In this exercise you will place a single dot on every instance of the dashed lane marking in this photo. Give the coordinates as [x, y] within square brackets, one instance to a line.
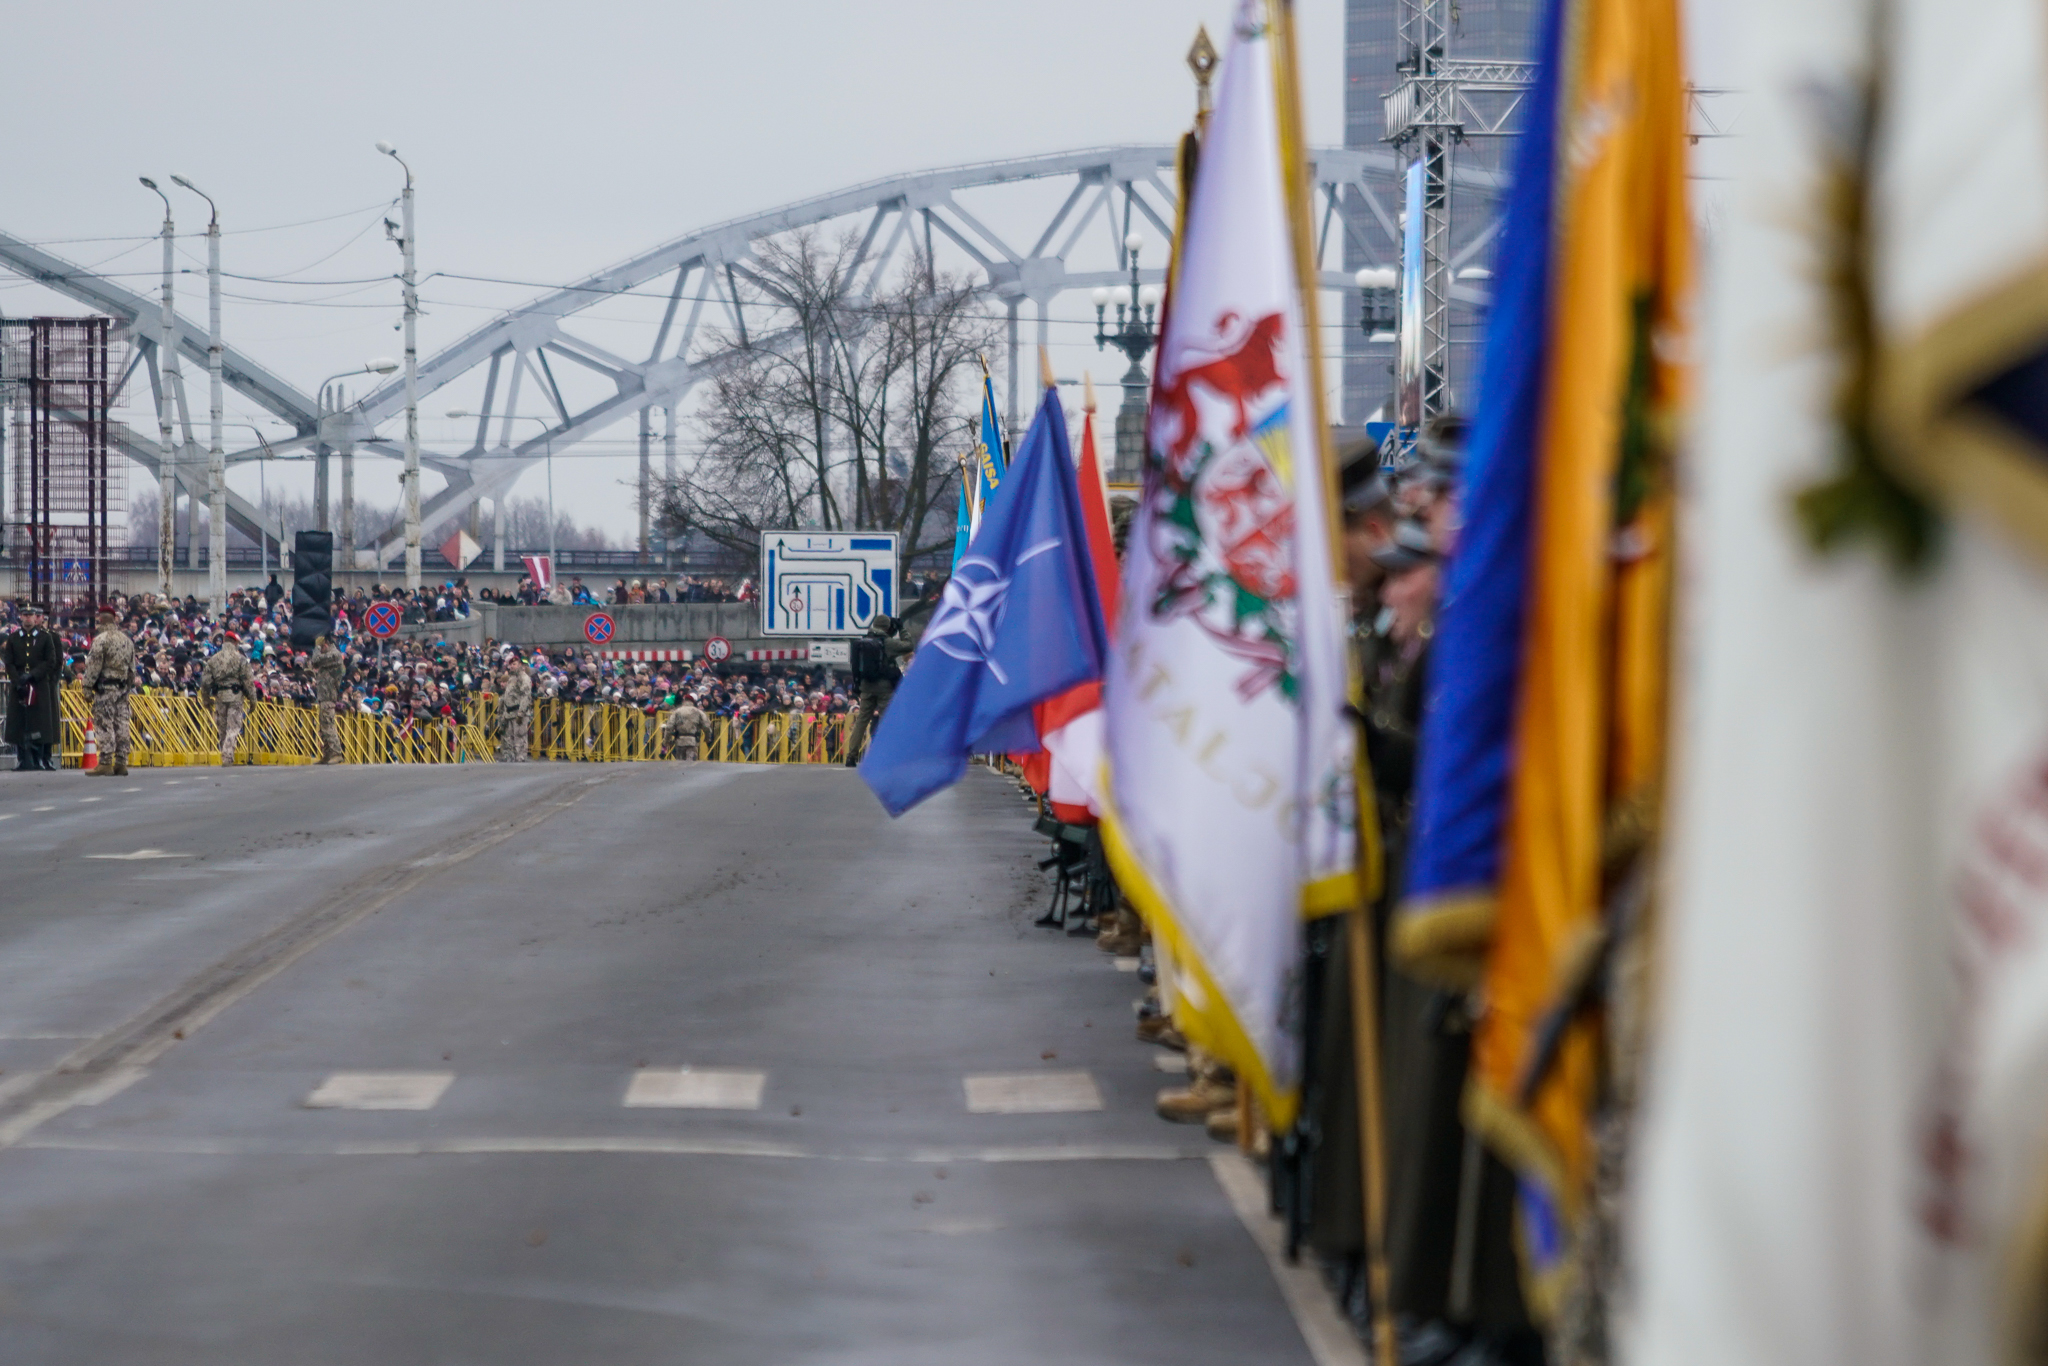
[139, 854]
[42, 808]
[689, 1088]
[110, 1085]
[33, 1098]
[380, 1091]
[1032, 1093]
[83, 800]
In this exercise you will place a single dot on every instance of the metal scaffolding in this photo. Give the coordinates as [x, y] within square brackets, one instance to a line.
[58, 379]
[1440, 103]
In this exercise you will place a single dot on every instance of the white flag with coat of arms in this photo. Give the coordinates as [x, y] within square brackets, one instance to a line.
[1232, 807]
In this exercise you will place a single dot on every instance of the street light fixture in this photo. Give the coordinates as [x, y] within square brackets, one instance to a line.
[549, 431]
[1378, 305]
[216, 456]
[1135, 338]
[167, 365]
[412, 373]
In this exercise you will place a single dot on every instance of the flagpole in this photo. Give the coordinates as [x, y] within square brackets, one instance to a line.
[1364, 956]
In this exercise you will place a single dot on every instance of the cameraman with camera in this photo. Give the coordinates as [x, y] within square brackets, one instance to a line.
[876, 670]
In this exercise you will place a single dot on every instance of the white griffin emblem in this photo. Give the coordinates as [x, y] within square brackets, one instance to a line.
[971, 608]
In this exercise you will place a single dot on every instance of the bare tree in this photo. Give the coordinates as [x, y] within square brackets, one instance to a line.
[936, 333]
[843, 417]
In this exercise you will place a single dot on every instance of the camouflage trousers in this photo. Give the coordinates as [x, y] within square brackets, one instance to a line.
[686, 746]
[873, 702]
[229, 710]
[517, 740]
[110, 714]
[330, 734]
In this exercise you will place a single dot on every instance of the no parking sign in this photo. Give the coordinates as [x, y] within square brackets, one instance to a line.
[381, 620]
[599, 628]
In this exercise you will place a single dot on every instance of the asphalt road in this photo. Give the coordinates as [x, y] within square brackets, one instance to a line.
[188, 956]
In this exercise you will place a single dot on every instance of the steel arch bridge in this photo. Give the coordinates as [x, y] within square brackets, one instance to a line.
[696, 310]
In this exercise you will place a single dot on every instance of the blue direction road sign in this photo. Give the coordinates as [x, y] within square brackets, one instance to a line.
[826, 583]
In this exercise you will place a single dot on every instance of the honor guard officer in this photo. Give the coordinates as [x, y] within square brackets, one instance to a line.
[684, 729]
[108, 675]
[35, 666]
[515, 710]
[228, 680]
[329, 673]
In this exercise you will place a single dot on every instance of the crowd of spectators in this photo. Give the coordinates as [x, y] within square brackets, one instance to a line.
[416, 678]
[626, 591]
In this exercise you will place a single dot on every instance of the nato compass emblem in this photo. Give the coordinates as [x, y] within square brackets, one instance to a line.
[971, 608]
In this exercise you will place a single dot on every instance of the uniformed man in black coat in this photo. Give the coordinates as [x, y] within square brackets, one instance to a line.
[35, 662]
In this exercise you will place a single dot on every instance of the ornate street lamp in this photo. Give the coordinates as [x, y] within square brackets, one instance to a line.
[1134, 336]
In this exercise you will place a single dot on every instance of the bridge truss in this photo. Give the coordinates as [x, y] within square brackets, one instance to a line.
[635, 338]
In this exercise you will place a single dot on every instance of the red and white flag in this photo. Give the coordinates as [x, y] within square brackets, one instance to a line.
[1068, 769]
[541, 569]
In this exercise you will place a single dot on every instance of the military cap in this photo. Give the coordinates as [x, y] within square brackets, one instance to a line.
[1407, 549]
[1441, 448]
[108, 614]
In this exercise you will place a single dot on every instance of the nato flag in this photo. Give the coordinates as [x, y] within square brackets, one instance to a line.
[1018, 622]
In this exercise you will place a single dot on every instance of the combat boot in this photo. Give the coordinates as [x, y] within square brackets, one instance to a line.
[1194, 1104]
[120, 770]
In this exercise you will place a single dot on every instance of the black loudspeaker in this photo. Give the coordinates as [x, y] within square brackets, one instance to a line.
[312, 588]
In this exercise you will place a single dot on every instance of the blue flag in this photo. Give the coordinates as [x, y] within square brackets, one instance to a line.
[986, 473]
[1018, 622]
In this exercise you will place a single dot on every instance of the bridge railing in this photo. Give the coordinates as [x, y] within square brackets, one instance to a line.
[168, 730]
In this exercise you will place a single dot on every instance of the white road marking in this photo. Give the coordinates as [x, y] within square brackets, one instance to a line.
[172, 782]
[83, 800]
[139, 854]
[128, 789]
[42, 808]
[109, 1086]
[689, 1088]
[1124, 964]
[1176, 1063]
[380, 1091]
[1032, 1093]
[9, 816]
[1329, 1338]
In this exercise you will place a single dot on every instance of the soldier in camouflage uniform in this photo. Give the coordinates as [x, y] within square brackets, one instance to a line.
[329, 671]
[515, 712]
[684, 729]
[228, 680]
[875, 693]
[108, 674]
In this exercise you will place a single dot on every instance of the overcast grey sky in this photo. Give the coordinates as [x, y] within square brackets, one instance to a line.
[548, 139]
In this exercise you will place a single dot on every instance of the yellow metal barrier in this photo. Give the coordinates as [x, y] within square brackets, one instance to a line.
[612, 734]
[173, 731]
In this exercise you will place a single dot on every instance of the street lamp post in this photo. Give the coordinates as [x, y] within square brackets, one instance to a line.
[345, 443]
[166, 363]
[412, 374]
[216, 457]
[1135, 338]
[550, 432]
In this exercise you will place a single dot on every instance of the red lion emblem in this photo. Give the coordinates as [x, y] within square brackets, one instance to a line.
[1243, 369]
